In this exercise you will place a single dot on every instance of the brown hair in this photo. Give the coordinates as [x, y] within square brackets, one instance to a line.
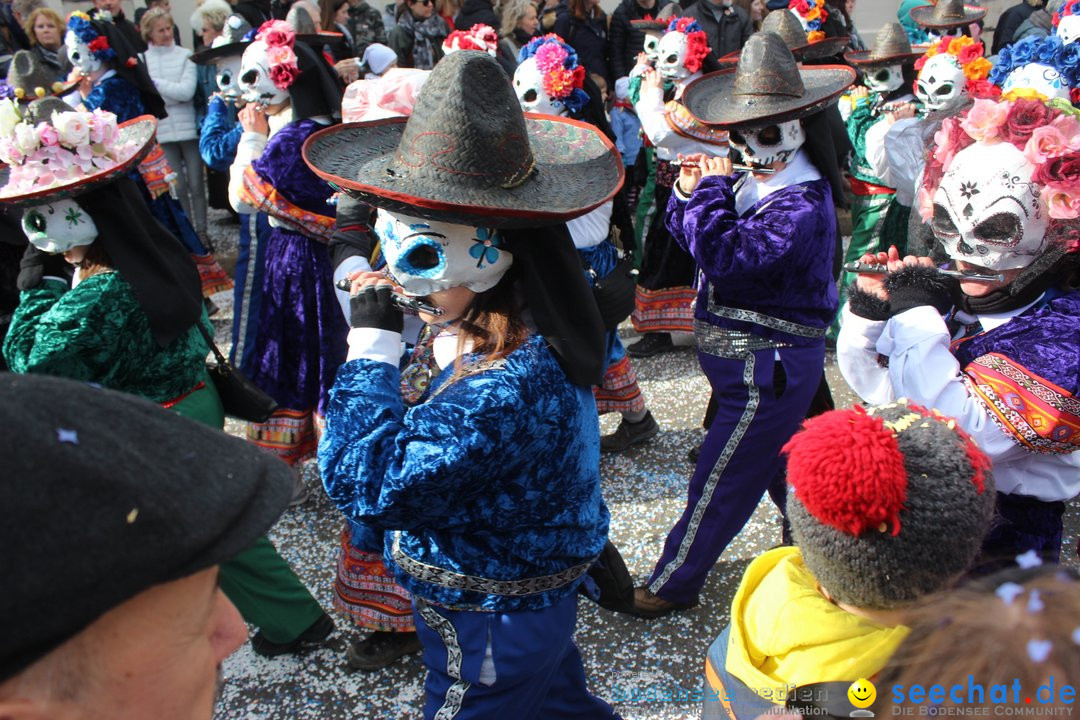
[580, 10]
[151, 16]
[49, 13]
[96, 260]
[328, 9]
[493, 320]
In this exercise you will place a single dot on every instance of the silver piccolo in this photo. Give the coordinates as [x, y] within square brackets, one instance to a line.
[739, 167]
[401, 301]
[857, 267]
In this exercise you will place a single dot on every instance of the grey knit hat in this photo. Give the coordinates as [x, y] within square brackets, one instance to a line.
[887, 504]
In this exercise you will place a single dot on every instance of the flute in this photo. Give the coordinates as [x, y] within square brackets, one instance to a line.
[734, 166]
[403, 302]
[857, 267]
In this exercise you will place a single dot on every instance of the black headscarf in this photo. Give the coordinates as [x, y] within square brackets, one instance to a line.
[559, 298]
[317, 90]
[155, 264]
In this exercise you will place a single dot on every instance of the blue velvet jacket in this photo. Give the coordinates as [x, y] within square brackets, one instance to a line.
[768, 272]
[220, 135]
[494, 476]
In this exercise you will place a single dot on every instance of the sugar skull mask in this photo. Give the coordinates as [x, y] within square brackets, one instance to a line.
[884, 80]
[1043, 79]
[671, 56]
[529, 86]
[987, 211]
[651, 47]
[255, 81]
[58, 226]
[1069, 29]
[426, 256]
[80, 55]
[940, 80]
[227, 75]
[773, 143]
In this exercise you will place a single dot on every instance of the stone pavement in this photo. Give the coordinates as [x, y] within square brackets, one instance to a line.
[645, 489]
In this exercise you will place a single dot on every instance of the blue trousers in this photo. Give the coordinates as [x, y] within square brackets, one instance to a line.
[761, 402]
[518, 665]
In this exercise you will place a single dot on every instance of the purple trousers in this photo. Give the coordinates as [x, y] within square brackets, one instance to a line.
[761, 401]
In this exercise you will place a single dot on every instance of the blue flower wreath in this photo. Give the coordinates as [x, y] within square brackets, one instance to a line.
[576, 101]
[1050, 51]
[85, 30]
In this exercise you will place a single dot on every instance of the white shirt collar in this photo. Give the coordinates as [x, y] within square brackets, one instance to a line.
[750, 191]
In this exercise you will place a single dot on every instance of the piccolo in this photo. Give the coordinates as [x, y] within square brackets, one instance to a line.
[402, 301]
[857, 267]
[735, 166]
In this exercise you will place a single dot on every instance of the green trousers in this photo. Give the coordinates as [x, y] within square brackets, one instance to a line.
[867, 220]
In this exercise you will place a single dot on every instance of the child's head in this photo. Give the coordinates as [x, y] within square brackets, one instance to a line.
[888, 504]
[622, 89]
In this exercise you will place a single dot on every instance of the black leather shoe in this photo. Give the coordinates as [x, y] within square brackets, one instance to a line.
[314, 635]
[629, 433]
[651, 344]
[649, 606]
[380, 649]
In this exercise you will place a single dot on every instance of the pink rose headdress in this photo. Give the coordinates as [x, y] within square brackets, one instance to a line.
[279, 38]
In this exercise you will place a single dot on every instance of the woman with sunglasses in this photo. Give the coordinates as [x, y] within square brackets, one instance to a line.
[418, 35]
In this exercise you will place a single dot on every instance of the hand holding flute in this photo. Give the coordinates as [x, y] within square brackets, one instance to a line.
[402, 302]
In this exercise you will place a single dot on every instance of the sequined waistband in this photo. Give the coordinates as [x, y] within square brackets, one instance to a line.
[726, 343]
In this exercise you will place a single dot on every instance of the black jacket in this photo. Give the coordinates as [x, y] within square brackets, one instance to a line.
[624, 40]
[1008, 24]
[729, 34]
[476, 11]
[589, 39]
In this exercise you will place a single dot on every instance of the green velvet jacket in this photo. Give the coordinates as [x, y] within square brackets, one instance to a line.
[858, 123]
[98, 332]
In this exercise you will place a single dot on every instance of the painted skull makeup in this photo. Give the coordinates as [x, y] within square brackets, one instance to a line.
[1043, 79]
[80, 55]
[227, 75]
[651, 48]
[671, 55]
[884, 80]
[773, 143]
[255, 82]
[940, 80]
[529, 87]
[987, 212]
[426, 256]
[1069, 29]
[58, 226]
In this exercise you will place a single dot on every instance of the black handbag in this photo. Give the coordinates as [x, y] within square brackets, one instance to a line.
[240, 397]
[608, 582]
[615, 292]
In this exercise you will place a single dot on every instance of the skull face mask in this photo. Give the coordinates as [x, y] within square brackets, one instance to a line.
[651, 48]
[997, 221]
[940, 80]
[671, 56]
[770, 144]
[80, 55]
[58, 226]
[255, 82]
[227, 74]
[1069, 29]
[884, 80]
[426, 256]
[1043, 79]
[529, 87]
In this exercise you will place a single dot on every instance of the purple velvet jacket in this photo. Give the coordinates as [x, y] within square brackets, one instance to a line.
[768, 272]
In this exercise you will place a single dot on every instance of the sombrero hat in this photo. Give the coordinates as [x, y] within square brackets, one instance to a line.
[947, 14]
[891, 47]
[468, 155]
[30, 179]
[766, 87]
[787, 26]
[660, 22]
[235, 36]
[29, 80]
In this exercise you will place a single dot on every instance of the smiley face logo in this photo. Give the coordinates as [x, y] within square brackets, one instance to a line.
[862, 693]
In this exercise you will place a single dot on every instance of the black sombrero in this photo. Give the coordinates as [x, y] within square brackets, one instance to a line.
[30, 80]
[467, 154]
[235, 36]
[947, 14]
[661, 21]
[787, 26]
[134, 140]
[891, 47]
[766, 87]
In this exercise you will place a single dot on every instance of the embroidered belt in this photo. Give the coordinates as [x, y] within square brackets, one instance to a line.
[457, 581]
[726, 343]
[861, 187]
[787, 326]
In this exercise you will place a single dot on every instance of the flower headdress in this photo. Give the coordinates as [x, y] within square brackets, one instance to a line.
[1048, 135]
[1070, 8]
[479, 37]
[969, 56]
[80, 24]
[66, 148]
[558, 63]
[697, 43]
[279, 37]
[1049, 51]
[814, 15]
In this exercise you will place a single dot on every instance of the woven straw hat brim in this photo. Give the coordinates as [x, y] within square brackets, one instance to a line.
[972, 13]
[828, 47]
[136, 135]
[577, 170]
[209, 55]
[862, 58]
[650, 24]
[710, 98]
[66, 87]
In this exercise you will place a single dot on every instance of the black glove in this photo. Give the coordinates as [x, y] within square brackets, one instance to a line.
[914, 286]
[372, 308]
[867, 305]
[36, 264]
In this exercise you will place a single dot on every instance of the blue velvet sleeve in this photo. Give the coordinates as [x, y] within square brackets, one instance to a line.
[283, 167]
[115, 95]
[220, 136]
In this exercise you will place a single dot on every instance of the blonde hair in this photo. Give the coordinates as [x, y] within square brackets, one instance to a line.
[511, 11]
[150, 17]
[49, 13]
[211, 12]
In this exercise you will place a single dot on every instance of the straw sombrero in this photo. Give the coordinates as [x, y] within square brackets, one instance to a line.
[28, 183]
[467, 154]
[787, 26]
[766, 87]
[660, 22]
[891, 47]
[947, 14]
[29, 80]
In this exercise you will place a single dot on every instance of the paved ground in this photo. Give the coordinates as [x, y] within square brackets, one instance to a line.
[645, 490]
